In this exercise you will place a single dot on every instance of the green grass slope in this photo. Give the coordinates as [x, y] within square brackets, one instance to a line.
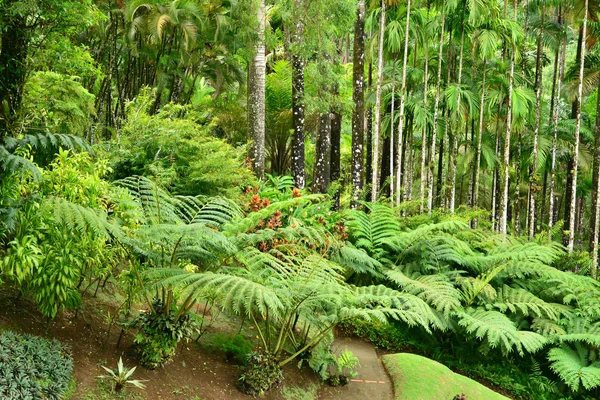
[419, 378]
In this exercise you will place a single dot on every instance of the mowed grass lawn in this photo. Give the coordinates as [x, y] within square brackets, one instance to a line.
[419, 378]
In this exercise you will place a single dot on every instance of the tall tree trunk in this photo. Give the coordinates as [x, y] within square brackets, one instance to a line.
[392, 144]
[479, 137]
[358, 97]
[577, 130]
[298, 108]
[424, 133]
[533, 176]
[436, 113]
[551, 201]
[594, 228]
[594, 220]
[457, 128]
[13, 60]
[568, 192]
[439, 194]
[334, 169]
[402, 101]
[256, 98]
[375, 178]
[369, 135]
[322, 156]
[503, 207]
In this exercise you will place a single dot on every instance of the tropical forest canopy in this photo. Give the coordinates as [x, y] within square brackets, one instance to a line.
[424, 174]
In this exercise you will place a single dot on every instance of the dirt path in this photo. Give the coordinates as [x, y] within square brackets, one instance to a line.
[371, 383]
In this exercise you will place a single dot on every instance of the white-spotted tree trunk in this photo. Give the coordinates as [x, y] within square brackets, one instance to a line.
[256, 98]
[358, 97]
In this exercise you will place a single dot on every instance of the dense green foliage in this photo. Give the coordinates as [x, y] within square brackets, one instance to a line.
[34, 368]
[124, 157]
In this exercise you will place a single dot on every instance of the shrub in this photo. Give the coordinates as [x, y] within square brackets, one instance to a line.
[33, 368]
[179, 154]
[160, 331]
[235, 347]
[263, 372]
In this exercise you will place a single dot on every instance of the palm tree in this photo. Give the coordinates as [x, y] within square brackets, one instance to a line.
[555, 119]
[358, 97]
[577, 130]
[457, 124]
[533, 177]
[256, 97]
[487, 41]
[424, 130]
[438, 87]
[503, 206]
[399, 192]
[380, 55]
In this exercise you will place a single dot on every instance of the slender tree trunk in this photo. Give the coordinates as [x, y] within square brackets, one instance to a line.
[439, 194]
[392, 144]
[298, 109]
[334, 169]
[577, 130]
[479, 137]
[457, 128]
[399, 150]
[533, 176]
[594, 228]
[569, 185]
[256, 98]
[322, 150]
[503, 208]
[358, 97]
[424, 133]
[552, 204]
[436, 113]
[595, 219]
[369, 135]
[375, 178]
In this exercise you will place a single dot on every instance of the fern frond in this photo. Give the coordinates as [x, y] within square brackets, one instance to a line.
[436, 290]
[356, 260]
[521, 300]
[214, 212]
[400, 306]
[573, 366]
[81, 219]
[499, 331]
[157, 205]
[11, 163]
[52, 141]
[241, 295]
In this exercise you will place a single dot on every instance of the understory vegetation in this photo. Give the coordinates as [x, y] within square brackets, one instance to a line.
[34, 368]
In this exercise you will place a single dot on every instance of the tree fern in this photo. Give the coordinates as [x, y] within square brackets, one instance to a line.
[574, 367]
